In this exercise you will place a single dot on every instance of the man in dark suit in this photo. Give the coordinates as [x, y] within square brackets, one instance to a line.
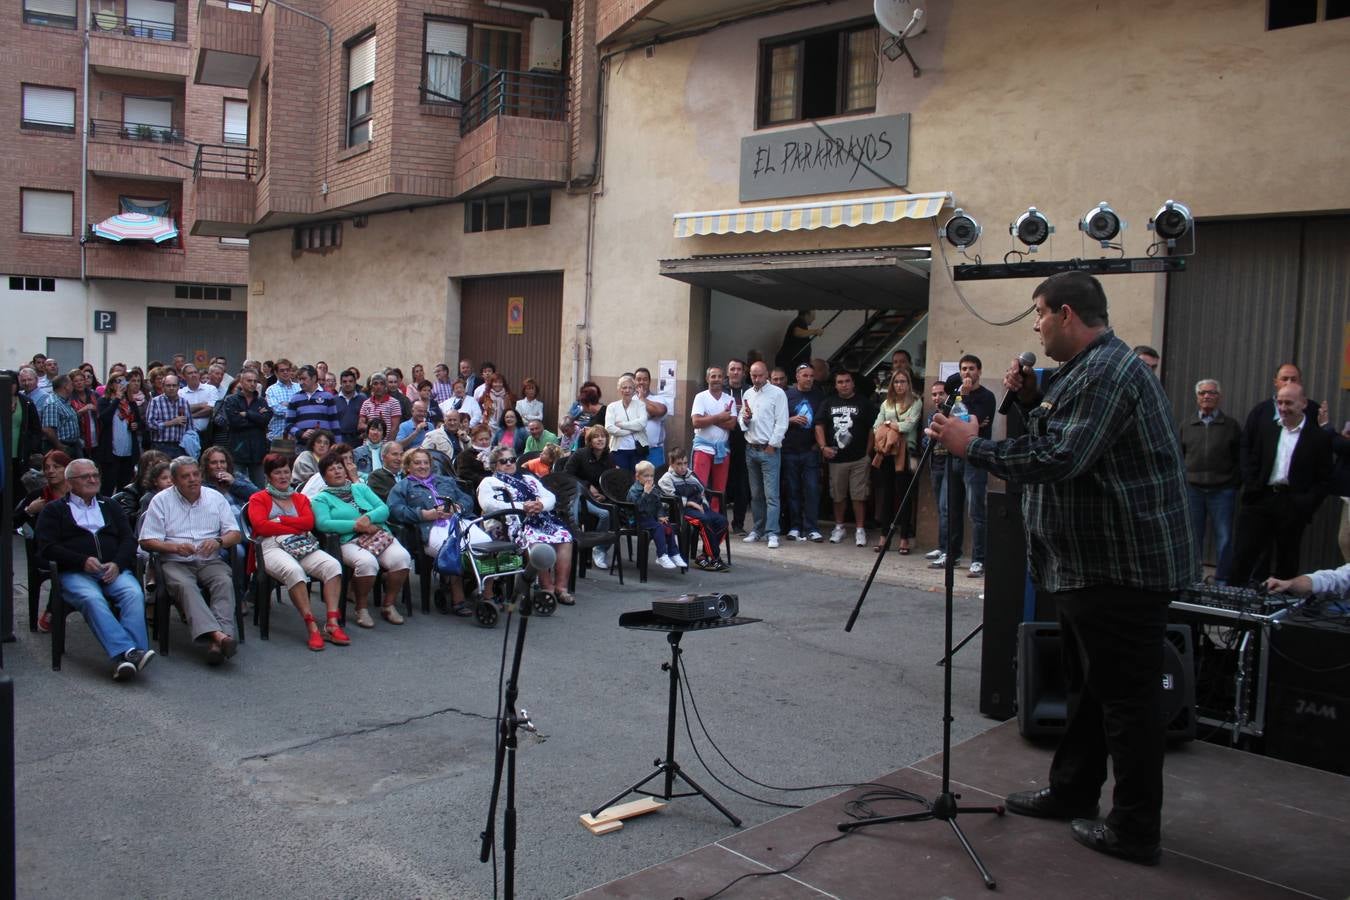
[1264, 412]
[1285, 475]
[90, 542]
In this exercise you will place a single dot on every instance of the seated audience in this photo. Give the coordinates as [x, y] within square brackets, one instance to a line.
[543, 464]
[188, 527]
[218, 472]
[426, 501]
[282, 520]
[586, 466]
[679, 481]
[536, 437]
[307, 462]
[512, 433]
[529, 406]
[368, 455]
[382, 480]
[412, 432]
[89, 542]
[358, 517]
[471, 465]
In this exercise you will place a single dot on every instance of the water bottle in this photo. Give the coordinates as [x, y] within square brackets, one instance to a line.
[959, 410]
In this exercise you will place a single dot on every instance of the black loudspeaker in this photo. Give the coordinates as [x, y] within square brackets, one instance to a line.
[1042, 702]
[1004, 587]
[1308, 696]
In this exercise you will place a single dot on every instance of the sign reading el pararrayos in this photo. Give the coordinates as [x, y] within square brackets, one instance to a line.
[856, 155]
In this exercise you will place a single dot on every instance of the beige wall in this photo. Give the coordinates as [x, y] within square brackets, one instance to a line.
[1196, 101]
[386, 296]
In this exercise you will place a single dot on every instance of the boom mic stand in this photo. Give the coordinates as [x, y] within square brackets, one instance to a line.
[944, 808]
[507, 727]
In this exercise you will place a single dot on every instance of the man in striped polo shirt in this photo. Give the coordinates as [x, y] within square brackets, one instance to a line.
[311, 408]
[380, 404]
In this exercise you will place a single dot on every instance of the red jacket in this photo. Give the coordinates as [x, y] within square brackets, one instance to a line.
[260, 509]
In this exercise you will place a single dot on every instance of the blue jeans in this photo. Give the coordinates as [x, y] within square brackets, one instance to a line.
[656, 456]
[762, 469]
[117, 633]
[802, 474]
[601, 514]
[1216, 504]
[977, 485]
[937, 471]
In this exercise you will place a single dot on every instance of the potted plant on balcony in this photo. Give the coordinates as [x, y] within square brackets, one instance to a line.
[145, 132]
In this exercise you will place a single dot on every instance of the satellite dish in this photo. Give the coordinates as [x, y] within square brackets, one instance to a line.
[902, 18]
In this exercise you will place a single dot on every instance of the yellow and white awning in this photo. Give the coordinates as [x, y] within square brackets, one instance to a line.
[805, 216]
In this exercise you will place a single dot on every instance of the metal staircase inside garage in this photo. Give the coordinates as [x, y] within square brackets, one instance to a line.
[869, 349]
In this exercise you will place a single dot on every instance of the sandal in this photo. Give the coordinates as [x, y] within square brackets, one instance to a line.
[463, 608]
[363, 618]
[333, 631]
[315, 638]
[565, 598]
[391, 614]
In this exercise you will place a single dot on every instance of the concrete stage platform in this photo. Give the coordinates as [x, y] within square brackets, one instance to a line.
[1235, 825]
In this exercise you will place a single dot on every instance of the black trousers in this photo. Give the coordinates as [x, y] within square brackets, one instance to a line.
[1271, 517]
[1112, 644]
[738, 482]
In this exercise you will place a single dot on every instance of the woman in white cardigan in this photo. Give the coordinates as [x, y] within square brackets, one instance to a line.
[626, 422]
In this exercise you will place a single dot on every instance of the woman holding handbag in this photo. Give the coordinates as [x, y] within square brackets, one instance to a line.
[896, 436]
[357, 516]
[283, 520]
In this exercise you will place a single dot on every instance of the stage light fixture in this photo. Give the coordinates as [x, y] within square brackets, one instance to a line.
[1032, 228]
[1172, 221]
[1101, 223]
[961, 230]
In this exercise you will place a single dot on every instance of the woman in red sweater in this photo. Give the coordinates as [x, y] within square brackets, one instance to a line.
[282, 521]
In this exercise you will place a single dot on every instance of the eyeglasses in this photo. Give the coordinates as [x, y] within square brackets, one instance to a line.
[87, 476]
[506, 459]
[1207, 393]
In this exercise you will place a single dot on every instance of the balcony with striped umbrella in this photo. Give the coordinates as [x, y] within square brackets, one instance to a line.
[134, 226]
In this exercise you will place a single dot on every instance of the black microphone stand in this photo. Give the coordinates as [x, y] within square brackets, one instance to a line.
[945, 807]
[507, 726]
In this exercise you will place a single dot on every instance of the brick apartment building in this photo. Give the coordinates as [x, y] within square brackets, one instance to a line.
[106, 119]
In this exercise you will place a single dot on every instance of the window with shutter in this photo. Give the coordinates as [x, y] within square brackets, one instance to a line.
[152, 19]
[60, 13]
[235, 127]
[147, 118]
[447, 44]
[360, 91]
[48, 108]
[47, 212]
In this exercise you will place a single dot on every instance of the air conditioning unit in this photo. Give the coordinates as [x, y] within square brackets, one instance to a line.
[546, 49]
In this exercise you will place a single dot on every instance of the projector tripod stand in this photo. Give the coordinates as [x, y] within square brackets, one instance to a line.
[668, 768]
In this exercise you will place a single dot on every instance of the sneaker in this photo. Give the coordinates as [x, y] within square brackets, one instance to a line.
[750, 538]
[599, 558]
[939, 561]
[720, 565]
[860, 537]
[836, 534]
[679, 561]
[664, 562]
[704, 563]
[933, 554]
[45, 622]
[976, 570]
[815, 537]
[139, 658]
[794, 535]
[124, 670]
[773, 542]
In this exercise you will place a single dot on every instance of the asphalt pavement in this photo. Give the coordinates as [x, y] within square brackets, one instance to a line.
[365, 771]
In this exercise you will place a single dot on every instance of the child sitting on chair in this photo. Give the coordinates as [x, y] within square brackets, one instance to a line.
[651, 515]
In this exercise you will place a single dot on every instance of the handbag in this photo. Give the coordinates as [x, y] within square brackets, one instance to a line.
[299, 545]
[886, 440]
[375, 542]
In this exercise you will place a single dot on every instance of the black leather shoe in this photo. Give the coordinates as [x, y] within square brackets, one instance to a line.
[1099, 836]
[1044, 805]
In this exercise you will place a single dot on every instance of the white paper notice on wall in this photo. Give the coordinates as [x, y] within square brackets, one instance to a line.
[947, 370]
[665, 378]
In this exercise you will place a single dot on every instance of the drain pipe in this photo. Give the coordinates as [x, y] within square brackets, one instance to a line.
[84, 166]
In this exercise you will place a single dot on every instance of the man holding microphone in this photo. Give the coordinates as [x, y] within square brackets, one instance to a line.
[1109, 539]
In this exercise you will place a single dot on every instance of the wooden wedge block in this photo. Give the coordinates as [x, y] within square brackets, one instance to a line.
[621, 812]
[604, 827]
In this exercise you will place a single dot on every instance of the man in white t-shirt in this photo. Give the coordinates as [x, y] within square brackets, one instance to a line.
[200, 395]
[658, 408]
[713, 413]
[462, 403]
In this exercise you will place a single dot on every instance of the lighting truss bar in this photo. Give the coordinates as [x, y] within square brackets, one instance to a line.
[1045, 268]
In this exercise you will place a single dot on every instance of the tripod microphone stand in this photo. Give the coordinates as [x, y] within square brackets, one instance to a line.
[945, 807]
[541, 556]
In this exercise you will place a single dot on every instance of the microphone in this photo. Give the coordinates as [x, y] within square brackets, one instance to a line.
[1027, 360]
[538, 558]
[953, 388]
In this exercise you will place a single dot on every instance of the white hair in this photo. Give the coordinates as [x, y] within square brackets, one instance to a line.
[1204, 381]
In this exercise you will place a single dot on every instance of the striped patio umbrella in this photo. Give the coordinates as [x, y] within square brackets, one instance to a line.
[130, 226]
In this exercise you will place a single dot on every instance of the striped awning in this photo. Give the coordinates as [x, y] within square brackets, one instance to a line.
[805, 216]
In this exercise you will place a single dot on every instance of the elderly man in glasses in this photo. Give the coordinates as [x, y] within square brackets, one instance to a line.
[1210, 442]
[93, 548]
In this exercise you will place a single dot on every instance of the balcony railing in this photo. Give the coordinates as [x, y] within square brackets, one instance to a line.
[112, 23]
[522, 94]
[113, 130]
[225, 161]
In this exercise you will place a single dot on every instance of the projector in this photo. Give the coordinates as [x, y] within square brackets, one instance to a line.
[697, 607]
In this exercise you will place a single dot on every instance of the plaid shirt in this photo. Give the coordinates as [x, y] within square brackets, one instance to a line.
[1105, 489]
[442, 391]
[278, 397]
[161, 410]
[59, 415]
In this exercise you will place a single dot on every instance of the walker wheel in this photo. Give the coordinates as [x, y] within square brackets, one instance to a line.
[545, 604]
[486, 613]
